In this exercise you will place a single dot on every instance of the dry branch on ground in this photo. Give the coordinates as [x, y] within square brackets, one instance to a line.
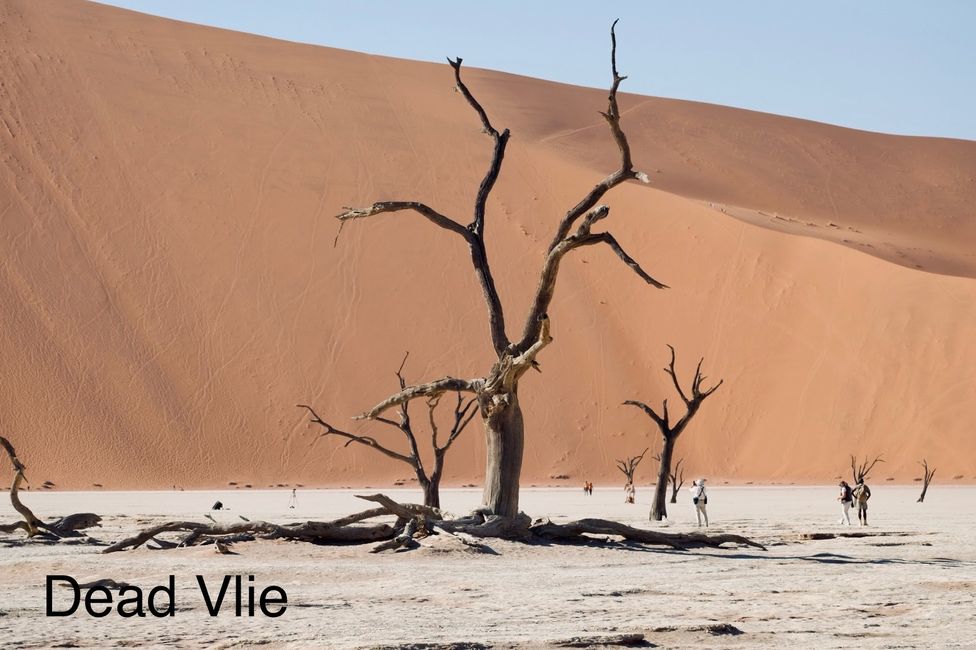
[416, 522]
[64, 527]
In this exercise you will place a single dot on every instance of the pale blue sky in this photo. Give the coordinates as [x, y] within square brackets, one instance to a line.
[897, 66]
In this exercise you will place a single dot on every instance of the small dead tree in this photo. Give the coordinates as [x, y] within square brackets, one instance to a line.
[929, 473]
[497, 390]
[670, 431]
[677, 480]
[629, 466]
[430, 482]
[861, 471]
[64, 527]
[676, 477]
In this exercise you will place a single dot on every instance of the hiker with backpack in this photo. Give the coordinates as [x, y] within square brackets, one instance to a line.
[846, 499]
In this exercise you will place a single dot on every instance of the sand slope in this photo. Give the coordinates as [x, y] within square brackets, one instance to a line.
[169, 287]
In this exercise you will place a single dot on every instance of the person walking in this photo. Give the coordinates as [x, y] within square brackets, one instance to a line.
[700, 499]
[293, 501]
[846, 498]
[861, 495]
[630, 493]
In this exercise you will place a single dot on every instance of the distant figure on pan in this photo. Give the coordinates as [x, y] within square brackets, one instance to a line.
[861, 495]
[629, 493]
[846, 498]
[700, 498]
[294, 499]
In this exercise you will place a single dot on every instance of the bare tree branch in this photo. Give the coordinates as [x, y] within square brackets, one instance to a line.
[474, 233]
[550, 270]
[626, 171]
[661, 420]
[476, 240]
[500, 139]
[363, 440]
[404, 423]
[611, 241]
[429, 389]
[395, 206]
[562, 241]
[463, 413]
[674, 376]
[863, 470]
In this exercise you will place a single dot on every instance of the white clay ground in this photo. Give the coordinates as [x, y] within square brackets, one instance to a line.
[912, 586]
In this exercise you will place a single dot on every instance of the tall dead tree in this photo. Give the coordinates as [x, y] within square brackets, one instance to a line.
[926, 480]
[497, 391]
[629, 465]
[861, 471]
[677, 480]
[670, 431]
[430, 482]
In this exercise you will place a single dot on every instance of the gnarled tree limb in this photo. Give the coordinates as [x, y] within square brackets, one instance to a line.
[626, 170]
[363, 440]
[861, 471]
[426, 211]
[430, 389]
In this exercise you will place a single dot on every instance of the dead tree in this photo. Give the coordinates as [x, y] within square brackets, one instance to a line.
[629, 466]
[677, 480]
[464, 411]
[929, 473]
[670, 431]
[497, 391]
[64, 527]
[676, 476]
[861, 471]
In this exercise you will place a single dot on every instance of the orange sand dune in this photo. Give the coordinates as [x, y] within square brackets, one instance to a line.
[169, 289]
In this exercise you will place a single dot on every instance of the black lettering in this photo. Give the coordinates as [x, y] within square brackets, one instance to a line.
[98, 596]
[50, 595]
[170, 609]
[213, 609]
[267, 599]
[136, 600]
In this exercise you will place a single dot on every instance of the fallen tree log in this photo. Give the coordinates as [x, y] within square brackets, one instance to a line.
[682, 541]
[64, 527]
[310, 531]
[415, 522]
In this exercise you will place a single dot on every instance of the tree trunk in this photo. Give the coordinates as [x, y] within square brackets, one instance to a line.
[432, 486]
[659, 508]
[504, 438]
[674, 492]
